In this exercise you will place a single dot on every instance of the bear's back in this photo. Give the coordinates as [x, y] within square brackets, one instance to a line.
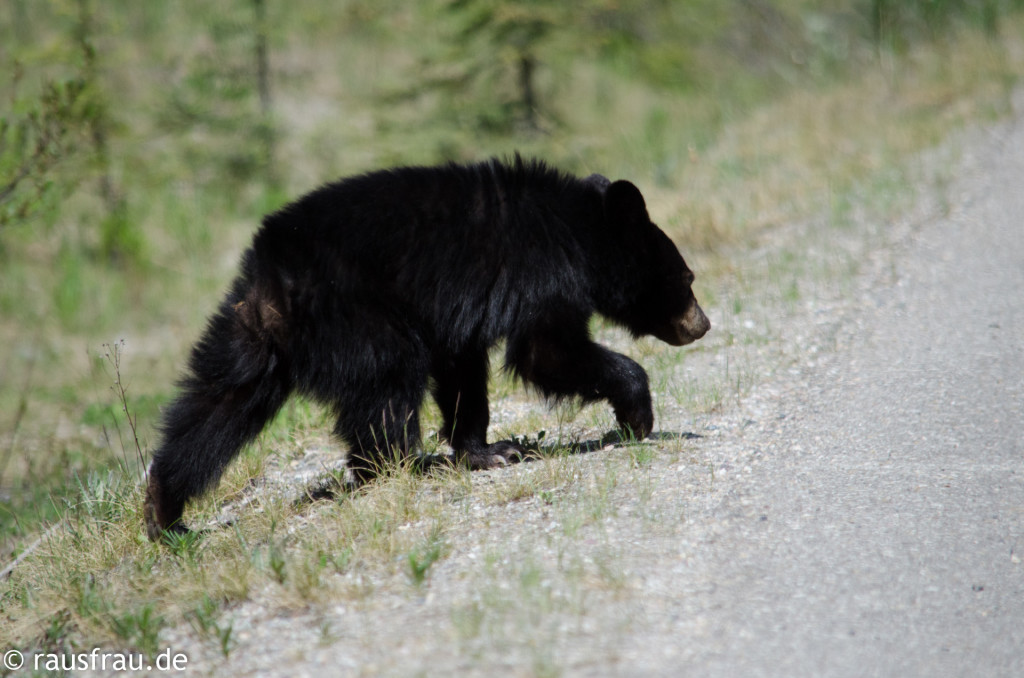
[472, 247]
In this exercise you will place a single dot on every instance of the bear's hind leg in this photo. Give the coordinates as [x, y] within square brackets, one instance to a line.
[236, 383]
[379, 430]
[377, 391]
[460, 389]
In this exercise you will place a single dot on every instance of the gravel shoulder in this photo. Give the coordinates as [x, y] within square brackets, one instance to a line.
[858, 513]
[876, 528]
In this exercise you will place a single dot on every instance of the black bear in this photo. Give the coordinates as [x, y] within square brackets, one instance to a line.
[367, 291]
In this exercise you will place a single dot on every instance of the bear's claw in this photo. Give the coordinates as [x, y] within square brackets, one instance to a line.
[495, 455]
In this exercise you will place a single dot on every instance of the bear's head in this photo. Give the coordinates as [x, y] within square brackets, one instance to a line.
[651, 285]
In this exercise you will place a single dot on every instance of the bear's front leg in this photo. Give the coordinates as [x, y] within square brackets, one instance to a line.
[563, 362]
[460, 389]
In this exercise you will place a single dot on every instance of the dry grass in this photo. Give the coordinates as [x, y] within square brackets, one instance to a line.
[805, 153]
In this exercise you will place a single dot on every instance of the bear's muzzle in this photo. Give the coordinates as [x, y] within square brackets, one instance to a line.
[690, 327]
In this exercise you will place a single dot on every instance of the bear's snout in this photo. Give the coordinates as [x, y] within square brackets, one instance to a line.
[692, 326]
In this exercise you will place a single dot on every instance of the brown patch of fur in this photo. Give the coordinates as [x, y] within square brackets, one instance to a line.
[259, 315]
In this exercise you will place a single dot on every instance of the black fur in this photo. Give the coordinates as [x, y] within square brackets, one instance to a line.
[366, 291]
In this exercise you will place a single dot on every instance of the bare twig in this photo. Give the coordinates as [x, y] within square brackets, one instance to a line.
[6, 572]
[113, 356]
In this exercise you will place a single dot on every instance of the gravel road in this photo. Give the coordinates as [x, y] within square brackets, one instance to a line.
[881, 532]
[861, 513]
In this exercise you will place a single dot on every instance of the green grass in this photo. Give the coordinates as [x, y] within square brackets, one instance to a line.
[724, 161]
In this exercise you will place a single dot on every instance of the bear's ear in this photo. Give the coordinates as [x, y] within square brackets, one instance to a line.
[624, 204]
[598, 181]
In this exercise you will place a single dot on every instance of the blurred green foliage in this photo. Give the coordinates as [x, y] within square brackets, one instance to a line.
[35, 137]
[897, 23]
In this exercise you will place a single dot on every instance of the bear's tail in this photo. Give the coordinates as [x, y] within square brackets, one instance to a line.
[238, 379]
